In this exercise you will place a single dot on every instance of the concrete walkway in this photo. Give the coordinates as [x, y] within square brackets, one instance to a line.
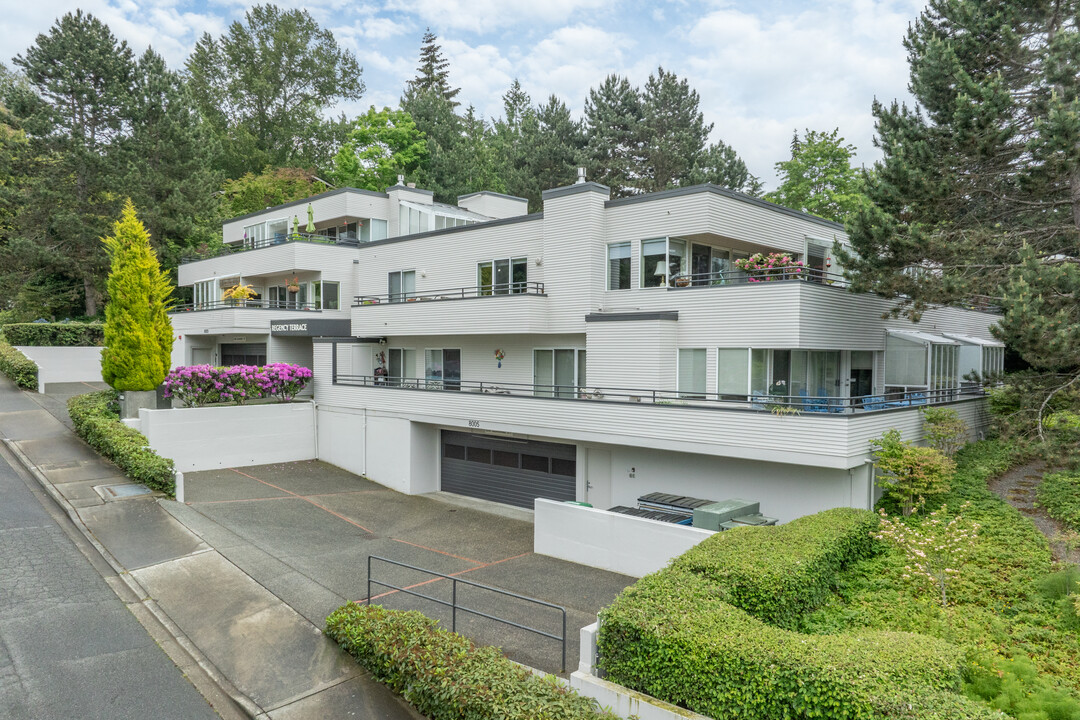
[245, 649]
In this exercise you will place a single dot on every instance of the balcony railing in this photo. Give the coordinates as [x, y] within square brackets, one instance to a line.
[514, 288]
[244, 305]
[745, 277]
[776, 404]
[248, 244]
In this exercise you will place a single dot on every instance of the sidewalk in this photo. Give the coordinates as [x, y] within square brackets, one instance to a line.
[228, 632]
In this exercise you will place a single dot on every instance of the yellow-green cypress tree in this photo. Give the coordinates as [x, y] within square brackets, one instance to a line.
[138, 335]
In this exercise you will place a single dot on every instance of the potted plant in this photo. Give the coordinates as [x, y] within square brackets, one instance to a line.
[760, 267]
[293, 285]
[238, 294]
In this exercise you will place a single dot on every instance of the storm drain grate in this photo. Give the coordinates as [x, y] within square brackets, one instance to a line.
[122, 490]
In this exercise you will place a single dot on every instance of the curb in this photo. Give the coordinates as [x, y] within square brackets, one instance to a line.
[241, 704]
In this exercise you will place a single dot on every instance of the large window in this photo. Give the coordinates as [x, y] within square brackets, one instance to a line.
[414, 220]
[692, 372]
[732, 372]
[661, 260]
[442, 369]
[373, 230]
[558, 372]
[503, 277]
[618, 255]
[205, 294]
[993, 361]
[921, 361]
[401, 285]
[325, 295]
[254, 235]
[402, 362]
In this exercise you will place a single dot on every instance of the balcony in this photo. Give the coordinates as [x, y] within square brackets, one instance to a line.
[829, 432]
[479, 310]
[283, 254]
[242, 304]
[234, 315]
[234, 248]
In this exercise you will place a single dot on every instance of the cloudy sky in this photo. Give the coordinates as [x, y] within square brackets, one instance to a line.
[763, 67]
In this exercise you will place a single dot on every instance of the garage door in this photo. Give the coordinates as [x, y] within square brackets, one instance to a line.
[514, 472]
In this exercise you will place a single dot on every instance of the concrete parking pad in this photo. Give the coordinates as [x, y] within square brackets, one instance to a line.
[138, 532]
[350, 699]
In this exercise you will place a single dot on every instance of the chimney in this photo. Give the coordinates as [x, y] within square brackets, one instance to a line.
[400, 179]
[580, 176]
[412, 185]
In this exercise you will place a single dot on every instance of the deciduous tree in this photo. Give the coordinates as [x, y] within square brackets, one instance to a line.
[381, 145]
[818, 178]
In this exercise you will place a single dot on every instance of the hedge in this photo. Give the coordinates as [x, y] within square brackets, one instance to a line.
[1059, 493]
[21, 369]
[55, 334]
[443, 674]
[101, 428]
[778, 574]
[672, 636]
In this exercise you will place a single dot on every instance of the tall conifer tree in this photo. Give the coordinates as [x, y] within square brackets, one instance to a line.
[434, 70]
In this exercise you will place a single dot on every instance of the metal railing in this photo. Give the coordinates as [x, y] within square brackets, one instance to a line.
[757, 400]
[745, 277]
[455, 606]
[513, 288]
[349, 240]
[244, 305]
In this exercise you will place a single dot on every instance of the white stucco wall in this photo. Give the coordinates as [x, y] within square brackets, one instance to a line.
[64, 364]
[609, 541]
[231, 436]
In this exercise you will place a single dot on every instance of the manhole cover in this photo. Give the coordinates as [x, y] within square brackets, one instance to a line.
[122, 490]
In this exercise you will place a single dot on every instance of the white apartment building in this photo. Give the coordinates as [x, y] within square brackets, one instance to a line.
[596, 351]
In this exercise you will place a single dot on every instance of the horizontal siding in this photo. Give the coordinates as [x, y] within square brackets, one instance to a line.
[327, 208]
[469, 316]
[276, 259]
[639, 354]
[574, 257]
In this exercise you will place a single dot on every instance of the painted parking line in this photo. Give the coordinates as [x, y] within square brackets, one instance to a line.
[279, 497]
[441, 552]
[432, 580]
[321, 507]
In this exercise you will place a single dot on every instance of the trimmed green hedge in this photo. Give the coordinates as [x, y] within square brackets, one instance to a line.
[778, 574]
[1059, 493]
[21, 369]
[72, 334]
[672, 636]
[443, 674]
[101, 428]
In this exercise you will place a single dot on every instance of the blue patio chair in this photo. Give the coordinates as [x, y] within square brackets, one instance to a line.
[917, 398]
[758, 400]
[873, 402]
[812, 404]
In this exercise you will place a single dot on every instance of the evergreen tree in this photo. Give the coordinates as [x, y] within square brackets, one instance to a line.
[721, 165]
[515, 137]
[978, 192]
[264, 85]
[675, 132]
[819, 178]
[442, 129]
[382, 144]
[559, 142]
[474, 159]
[615, 153]
[169, 159]
[434, 71]
[138, 334]
[80, 81]
[276, 186]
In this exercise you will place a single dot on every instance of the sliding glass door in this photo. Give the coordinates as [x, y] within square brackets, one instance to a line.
[558, 372]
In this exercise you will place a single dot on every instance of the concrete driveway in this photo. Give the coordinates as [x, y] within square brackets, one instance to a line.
[305, 531]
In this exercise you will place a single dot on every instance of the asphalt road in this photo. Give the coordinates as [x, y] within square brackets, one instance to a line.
[69, 646]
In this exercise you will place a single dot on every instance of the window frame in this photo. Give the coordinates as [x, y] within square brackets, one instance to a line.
[401, 295]
[629, 245]
[512, 287]
[686, 393]
[578, 386]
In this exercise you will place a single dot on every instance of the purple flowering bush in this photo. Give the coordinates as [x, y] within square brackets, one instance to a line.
[196, 385]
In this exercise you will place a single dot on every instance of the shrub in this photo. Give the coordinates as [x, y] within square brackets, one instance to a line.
[672, 636]
[1015, 687]
[100, 426]
[73, 334]
[443, 674]
[196, 385]
[1059, 493]
[777, 574]
[21, 369]
[944, 430]
[911, 472]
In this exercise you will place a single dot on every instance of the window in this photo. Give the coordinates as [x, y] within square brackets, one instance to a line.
[536, 463]
[558, 372]
[454, 452]
[993, 361]
[324, 295]
[561, 466]
[618, 255]
[505, 459]
[372, 230]
[254, 235]
[442, 369]
[479, 455]
[205, 294]
[692, 373]
[661, 260]
[732, 372]
[243, 354]
[402, 365]
[401, 285]
[413, 220]
[502, 277]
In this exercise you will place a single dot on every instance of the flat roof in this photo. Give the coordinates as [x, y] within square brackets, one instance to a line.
[294, 203]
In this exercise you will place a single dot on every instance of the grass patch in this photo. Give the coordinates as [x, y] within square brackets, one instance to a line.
[98, 423]
[1059, 493]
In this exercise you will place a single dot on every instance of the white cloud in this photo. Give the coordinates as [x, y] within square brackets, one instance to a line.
[571, 60]
[485, 15]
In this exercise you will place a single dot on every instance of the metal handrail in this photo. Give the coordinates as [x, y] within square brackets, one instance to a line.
[245, 305]
[490, 290]
[282, 239]
[745, 277]
[454, 606]
[776, 403]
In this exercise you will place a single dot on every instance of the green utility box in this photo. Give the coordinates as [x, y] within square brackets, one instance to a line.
[709, 517]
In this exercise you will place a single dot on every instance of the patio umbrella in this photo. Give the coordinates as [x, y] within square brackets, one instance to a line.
[310, 218]
[295, 225]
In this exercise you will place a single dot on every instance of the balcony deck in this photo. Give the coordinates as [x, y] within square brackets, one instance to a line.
[288, 254]
[772, 429]
[246, 315]
[517, 308]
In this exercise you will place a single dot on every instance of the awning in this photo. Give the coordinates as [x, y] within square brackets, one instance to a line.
[970, 340]
[922, 337]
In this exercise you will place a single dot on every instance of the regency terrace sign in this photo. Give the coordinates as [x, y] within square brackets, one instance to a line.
[311, 327]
